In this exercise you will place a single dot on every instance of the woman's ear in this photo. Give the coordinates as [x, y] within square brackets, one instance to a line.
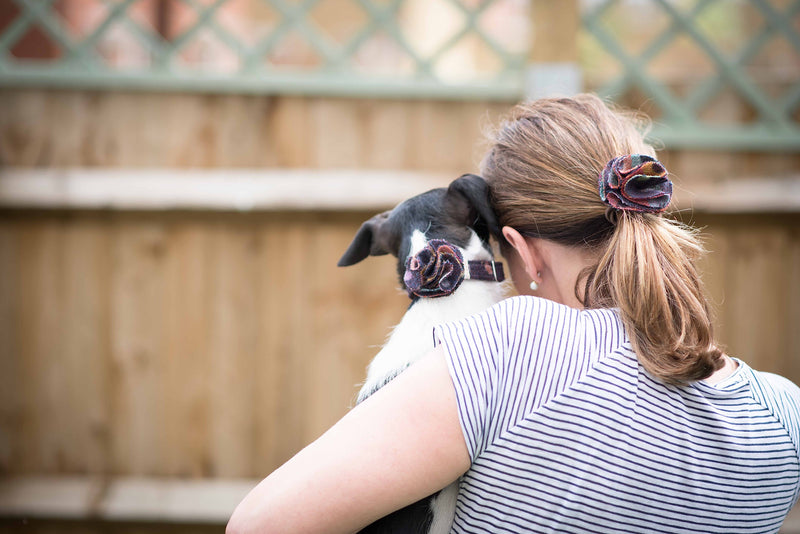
[528, 252]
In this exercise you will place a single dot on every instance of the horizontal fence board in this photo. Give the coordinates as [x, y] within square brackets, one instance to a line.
[65, 129]
[223, 190]
[311, 189]
[154, 505]
[122, 498]
[508, 90]
[763, 194]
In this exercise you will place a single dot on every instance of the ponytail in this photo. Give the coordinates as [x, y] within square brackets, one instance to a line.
[648, 272]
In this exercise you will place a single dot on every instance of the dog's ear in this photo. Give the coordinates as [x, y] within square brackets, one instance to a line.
[479, 214]
[372, 239]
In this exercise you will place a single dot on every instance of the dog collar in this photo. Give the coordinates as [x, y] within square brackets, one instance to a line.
[486, 270]
[439, 268]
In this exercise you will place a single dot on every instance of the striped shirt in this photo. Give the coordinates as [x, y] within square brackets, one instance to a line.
[567, 432]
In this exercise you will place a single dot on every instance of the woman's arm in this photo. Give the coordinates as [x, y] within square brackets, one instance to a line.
[400, 445]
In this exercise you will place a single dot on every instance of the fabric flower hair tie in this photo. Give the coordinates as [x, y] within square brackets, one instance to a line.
[435, 271]
[636, 182]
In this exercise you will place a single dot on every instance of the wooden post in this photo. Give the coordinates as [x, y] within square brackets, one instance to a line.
[553, 58]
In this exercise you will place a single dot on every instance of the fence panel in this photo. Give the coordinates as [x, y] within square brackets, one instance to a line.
[199, 346]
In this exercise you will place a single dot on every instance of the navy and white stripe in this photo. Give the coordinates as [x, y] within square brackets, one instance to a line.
[567, 433]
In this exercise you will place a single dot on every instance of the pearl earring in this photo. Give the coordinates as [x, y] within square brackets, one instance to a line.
[534, 285]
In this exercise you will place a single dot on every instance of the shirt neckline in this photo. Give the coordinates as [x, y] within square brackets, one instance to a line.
[736, 380]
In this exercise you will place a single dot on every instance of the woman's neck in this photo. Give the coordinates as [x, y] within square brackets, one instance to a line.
[563, 266]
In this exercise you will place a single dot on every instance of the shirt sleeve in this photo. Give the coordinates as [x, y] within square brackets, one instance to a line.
[508, 361]
[782, 397]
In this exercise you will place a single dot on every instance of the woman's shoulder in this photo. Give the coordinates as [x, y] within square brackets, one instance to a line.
[773, 387]
[530, 312]
[779, 395]
[525, 327]
[532, 307]
[543, 305]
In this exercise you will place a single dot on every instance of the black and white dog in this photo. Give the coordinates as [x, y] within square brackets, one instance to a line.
[440, 238]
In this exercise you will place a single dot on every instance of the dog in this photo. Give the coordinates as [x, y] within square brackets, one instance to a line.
[440, 238]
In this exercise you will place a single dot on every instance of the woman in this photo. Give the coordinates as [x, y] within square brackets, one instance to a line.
[597, 401]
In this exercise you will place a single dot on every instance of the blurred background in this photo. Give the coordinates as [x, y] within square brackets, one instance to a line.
[179, 178]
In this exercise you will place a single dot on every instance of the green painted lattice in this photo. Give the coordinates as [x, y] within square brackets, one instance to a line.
[469, 49]
[772, 119]
[333, 73]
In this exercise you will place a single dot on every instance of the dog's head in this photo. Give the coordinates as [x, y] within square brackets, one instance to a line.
[454, 213]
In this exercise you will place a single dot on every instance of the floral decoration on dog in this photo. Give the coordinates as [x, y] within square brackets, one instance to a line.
[435, 271]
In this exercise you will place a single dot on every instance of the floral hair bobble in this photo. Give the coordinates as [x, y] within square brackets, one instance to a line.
[435, 271]
[636, 182]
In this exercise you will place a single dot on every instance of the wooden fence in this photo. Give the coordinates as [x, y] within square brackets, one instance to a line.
[181, 345]
[154, 346]
[215, 344]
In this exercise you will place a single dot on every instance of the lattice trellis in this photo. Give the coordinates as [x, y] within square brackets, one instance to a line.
[257, 66]
[424, 48]
[772, 119]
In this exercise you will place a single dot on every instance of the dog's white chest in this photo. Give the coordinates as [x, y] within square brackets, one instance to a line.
[412, 338]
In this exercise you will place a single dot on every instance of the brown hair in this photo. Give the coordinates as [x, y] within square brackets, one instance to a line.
[543, 168]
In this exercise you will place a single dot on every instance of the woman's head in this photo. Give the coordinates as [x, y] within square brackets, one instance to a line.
[544, 163]
[543, 167]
